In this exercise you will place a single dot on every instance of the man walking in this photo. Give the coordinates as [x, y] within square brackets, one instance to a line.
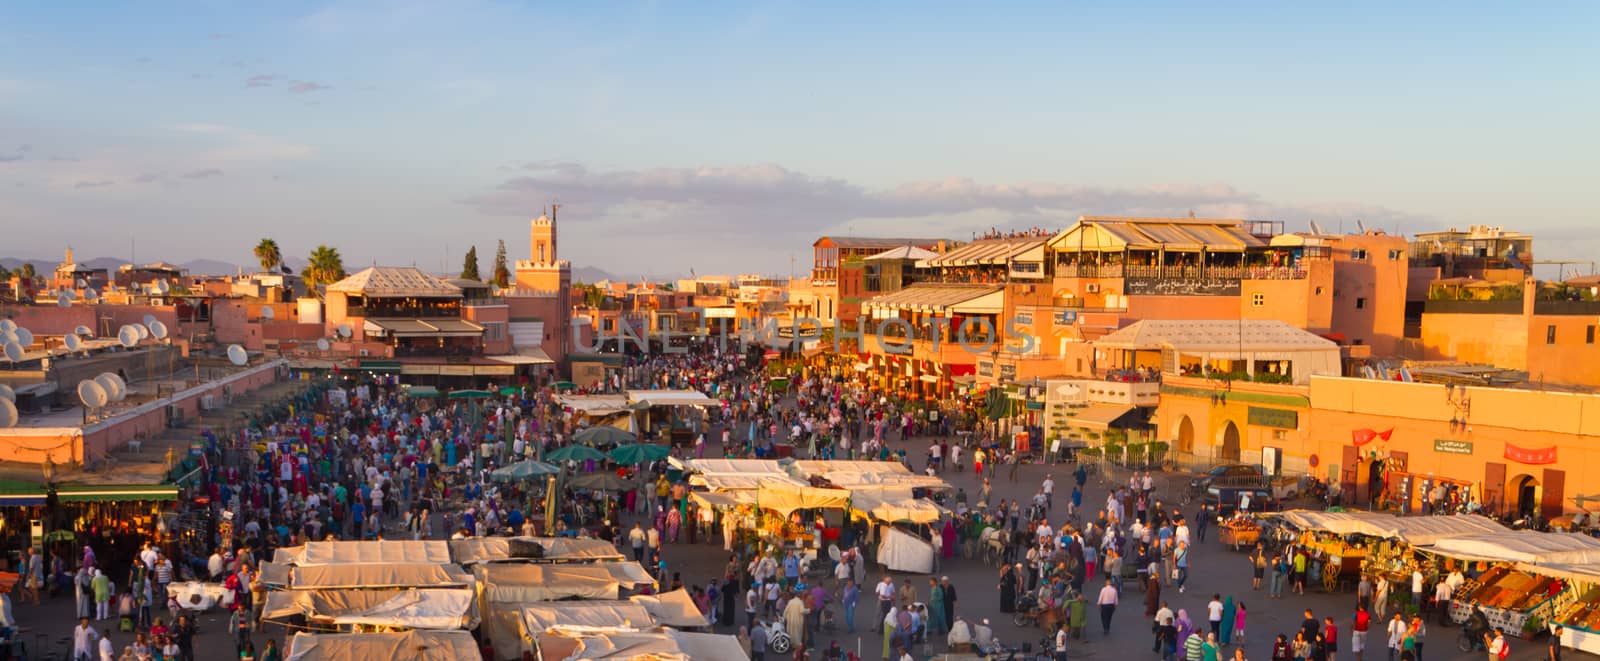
[885, 592]
[1108, 606]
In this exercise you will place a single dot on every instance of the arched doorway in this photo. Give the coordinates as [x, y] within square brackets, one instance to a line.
[1186, 436]
[1230, 443]
[1525, 494]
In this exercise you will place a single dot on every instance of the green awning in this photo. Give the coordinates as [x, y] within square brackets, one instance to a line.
[381, 366]
[470, 394]
[1035, 406]
[509, 390]
[94, 493]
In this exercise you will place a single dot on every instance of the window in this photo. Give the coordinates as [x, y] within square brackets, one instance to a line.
[1395, 255]
[1361, 303]
[1550, 334]
[1319, 291]
[1358, 254]
[1588, 335]
[1258, 299]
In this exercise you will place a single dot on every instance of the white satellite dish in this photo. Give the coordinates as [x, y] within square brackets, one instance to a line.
[144, 332]
[72, 343]
[6, 393]
[8, 336]
[162, 286]
[13, 352]
[64, 299]
[344, 330]
[128, 336]
[24, 337]
[7, 324]
[91, 394]
[80, 283]
[322, 344]
[122, 386]
[158, 330]
[84, 331]
[109, 383]
[8, 414]
[267, 313]
[237, 355]
[148, 319]
[91, 295]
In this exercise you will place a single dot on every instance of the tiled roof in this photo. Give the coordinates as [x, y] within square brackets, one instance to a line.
[395, 281]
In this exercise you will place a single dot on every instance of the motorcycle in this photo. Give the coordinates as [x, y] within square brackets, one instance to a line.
[778, 639]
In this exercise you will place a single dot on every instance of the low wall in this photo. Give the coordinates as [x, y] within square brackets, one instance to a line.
[69, 445]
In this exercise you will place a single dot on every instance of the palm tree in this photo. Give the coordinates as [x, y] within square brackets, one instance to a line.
[267, 251]
[325, 267]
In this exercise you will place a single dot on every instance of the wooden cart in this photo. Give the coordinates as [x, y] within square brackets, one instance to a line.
[1239, 533]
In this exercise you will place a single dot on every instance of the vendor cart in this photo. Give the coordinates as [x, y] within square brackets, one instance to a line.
[1239, 532]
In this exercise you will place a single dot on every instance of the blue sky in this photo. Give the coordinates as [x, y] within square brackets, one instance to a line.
[726, 136]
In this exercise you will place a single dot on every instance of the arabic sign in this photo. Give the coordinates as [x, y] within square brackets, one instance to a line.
[1177, 287]
[1451, 446]
[1278, 418]
[1527, 456]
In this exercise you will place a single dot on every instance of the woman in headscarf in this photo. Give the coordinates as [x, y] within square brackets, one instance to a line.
[1228, 610]
[949, 538]
[1185, 625]
[1152, 599]
[890, 620]
[674, 521]
[88, 557]
[935, 607]
[730, 588]
[1008, 589]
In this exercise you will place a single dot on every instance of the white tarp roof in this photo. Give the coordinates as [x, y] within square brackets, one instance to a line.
[503, 582]
[584, 616]
[670, 398]
[404, 551]
[674, 609]
[740, 482]
[784, 497]
[1417, 531]
[495, 549]
[404, 646]
[663, 646]
[374, 576]
[275, 574]
[895, 505]
[1526, 546]
[734, 467]
[1587, 573]
[449, 608]
[595, 404]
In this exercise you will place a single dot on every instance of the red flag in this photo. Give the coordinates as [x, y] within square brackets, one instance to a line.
[1362, 436]
[1386, 433]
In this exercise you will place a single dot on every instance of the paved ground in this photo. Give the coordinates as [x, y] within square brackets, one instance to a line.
[1215, 569]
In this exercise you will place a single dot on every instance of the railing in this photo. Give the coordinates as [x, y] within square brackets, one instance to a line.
[1179, 272]
[404, 350]
[1473, 307]
[1066, 269]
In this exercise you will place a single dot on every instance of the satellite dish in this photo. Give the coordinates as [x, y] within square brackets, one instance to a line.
[7, 324]
[144, 333]
[128, 336]
[158, 330]
[72, 343]
[267, 313]
[91, 394]
[24, 337]
[148, 319]
[84, 331]
[322, 344]
[7, 336]
[80, 283]
[91, 295]
[344, 330]
[8, 414]
[64, 300]
[6, 393]
[13, 352]
[112, 385]
[162, 286]
[237, 355]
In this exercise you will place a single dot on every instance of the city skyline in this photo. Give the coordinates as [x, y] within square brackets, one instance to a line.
[204, 127]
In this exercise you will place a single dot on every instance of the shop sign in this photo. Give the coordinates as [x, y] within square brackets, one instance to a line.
[1452, 446]
[1278, 418]
[1531, 456]
[986, 369]
[1008, 372]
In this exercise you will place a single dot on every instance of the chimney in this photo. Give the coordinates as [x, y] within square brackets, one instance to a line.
[1530, 292]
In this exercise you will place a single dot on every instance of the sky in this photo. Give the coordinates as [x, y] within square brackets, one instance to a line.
[726, 137]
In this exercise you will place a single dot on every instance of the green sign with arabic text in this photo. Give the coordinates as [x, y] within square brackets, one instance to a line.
[1452, 446]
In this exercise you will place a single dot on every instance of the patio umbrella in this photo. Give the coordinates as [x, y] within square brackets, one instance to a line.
[574, 453]
[602, 481]
[523, 470]
[604, 435]
[638, 453]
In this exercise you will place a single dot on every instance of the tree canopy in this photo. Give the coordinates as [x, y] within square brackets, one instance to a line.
[469, 267]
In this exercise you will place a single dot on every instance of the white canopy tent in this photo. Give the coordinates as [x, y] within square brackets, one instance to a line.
[558, 549]
[406, 609]
[377, 576]
[902, 551]
[1417, 531]
[403, 646]
[380, 551]
[1524, 546]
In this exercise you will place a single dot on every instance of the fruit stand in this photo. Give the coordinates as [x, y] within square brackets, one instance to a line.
[1535, 578]
[1508, 596]
[1239, 532]
[1336, 559]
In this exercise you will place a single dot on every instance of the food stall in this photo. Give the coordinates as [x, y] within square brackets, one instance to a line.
[1344, 544]
[1580, 619]
[1528, 579]
[1239, 532]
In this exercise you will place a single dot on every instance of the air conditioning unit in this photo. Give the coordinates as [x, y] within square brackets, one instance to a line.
[1093, 287]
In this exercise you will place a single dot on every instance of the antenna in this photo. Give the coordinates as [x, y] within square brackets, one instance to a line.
[1361, 226]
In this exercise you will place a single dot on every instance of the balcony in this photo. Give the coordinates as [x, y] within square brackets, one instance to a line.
[1211, 273]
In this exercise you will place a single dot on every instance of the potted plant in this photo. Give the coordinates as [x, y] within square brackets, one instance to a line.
[1531, 627]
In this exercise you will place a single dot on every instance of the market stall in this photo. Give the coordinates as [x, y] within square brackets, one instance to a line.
[441, 609]
[1580, 619]
[405, 646]
[1515, 592]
